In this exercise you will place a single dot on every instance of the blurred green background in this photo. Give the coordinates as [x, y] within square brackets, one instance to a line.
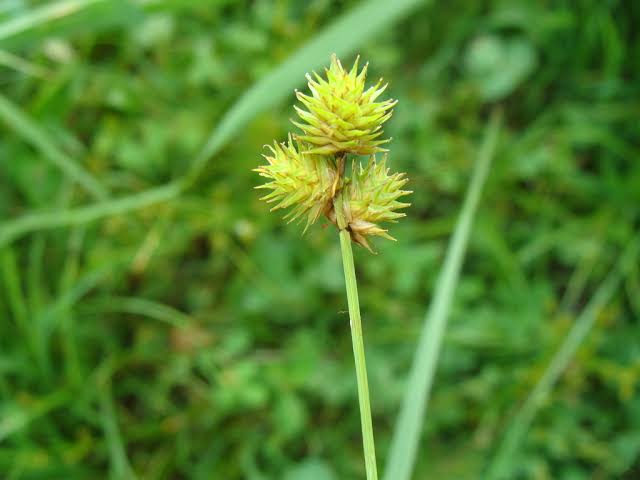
[156, 321]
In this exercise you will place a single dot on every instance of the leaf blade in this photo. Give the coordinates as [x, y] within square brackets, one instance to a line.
[341, 37]
[522, 420]
[18, 120]
[406, 436]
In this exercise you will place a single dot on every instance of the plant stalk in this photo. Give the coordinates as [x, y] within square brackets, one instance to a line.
[358, 352]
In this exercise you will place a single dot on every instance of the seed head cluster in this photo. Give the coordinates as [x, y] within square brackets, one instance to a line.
[299, 180]
[340, 118]
[340, 115]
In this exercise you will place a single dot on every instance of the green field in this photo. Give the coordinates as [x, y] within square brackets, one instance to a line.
[158, 322]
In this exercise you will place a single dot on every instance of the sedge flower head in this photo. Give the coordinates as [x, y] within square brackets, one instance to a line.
[298, 179]
[308, 176]
[342, 116]
[372, 197]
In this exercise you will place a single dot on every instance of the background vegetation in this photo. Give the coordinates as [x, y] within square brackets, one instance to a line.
[157, 322]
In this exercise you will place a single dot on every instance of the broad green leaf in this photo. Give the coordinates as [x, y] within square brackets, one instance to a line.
[498, 66]
[311, 469]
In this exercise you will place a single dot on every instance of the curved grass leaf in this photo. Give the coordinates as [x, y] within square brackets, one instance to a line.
[65, 18]
[32, 133]
[342, 37]
[146, 308]
[499, 467]
[11, 230]
[406, 436]
[43, 15]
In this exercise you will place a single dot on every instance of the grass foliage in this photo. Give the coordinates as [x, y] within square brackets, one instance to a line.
[157, 322]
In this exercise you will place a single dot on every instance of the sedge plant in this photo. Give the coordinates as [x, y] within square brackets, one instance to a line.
[317, 173]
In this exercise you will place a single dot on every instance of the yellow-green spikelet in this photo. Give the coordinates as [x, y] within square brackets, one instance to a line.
[372, 197]
[341, 116]
[298, 179]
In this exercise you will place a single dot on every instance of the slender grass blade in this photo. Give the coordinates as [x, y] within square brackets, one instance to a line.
[406, 437]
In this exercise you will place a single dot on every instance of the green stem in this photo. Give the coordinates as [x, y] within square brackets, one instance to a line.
[358, 352]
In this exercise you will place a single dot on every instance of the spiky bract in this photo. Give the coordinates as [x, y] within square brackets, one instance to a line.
[341, 116]
[372, 197]
[298, 179]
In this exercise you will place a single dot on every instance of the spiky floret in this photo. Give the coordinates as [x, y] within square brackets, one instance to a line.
[341, 116]
[372, 197]
[298, 179]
